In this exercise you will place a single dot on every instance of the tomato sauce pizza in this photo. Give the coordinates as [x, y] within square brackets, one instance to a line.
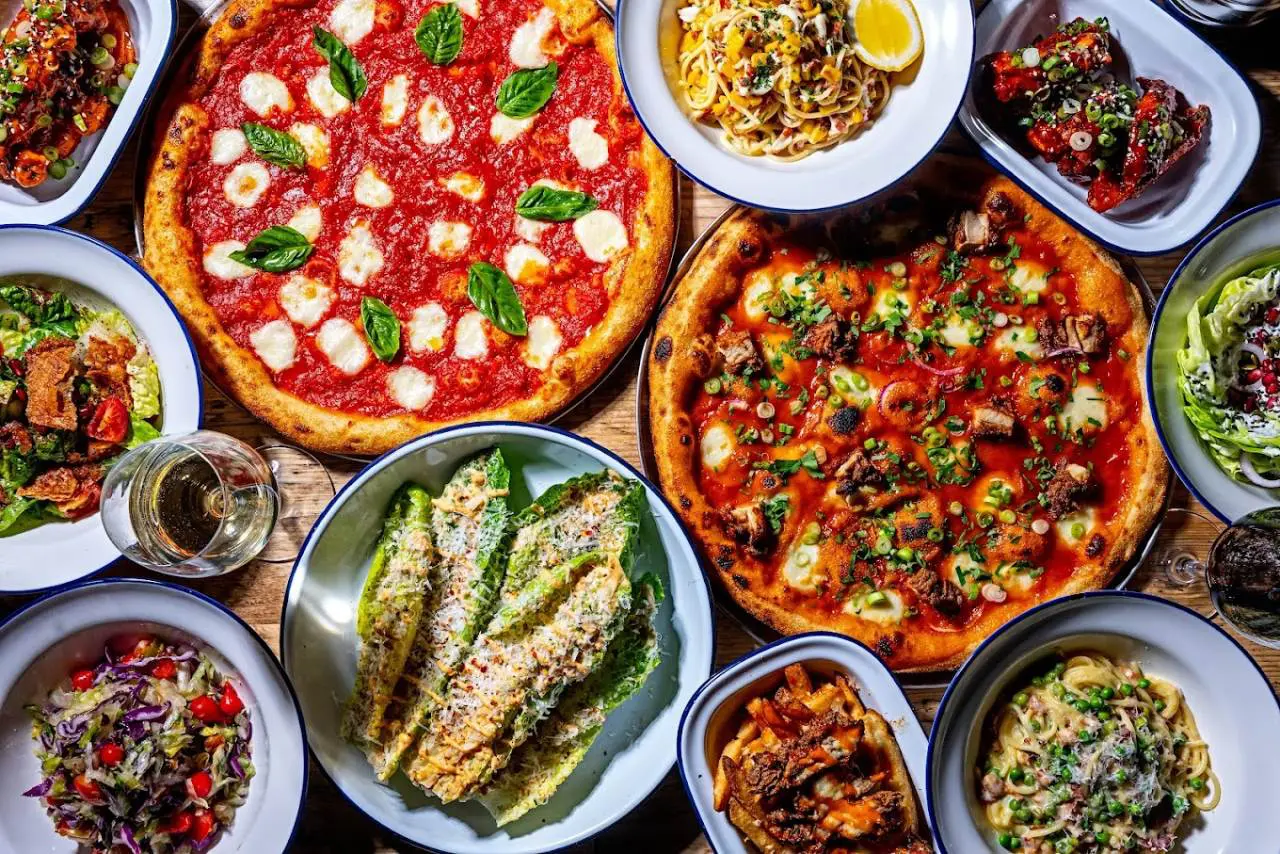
[380, 217]
[909, 428]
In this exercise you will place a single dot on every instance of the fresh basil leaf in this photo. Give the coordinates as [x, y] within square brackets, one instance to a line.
[439, 34]
[526, 91]
[493, 294]
[548, 204]
[274, 146]
[345, 72]
[279, 249]
[381, 328]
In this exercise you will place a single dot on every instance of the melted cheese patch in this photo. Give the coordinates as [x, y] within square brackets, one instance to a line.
[959, 333]
[601, 235]
[246, 184]
[370, 190]
[526, 264]
[275, 344]
[530, 229]
[1085, 410]
[1014, 340]
[359, 258]
[342, 345]
[435, 125]
[1075, 528]
[504, 129]
[471, 8]
[410, 387]
[1028, 277]
[466, 185]
[887, 611]
[227, 146]
[314, 141]
[890, 300]
[427, 328]
[756, 294]
[527, 48]
[305, 300]
[307, 221]
[542, 343]
[854, 387]
[589, 148]
[395, 100]
[264, 93]
[801, 569]
[352, 20]
[448, 239]
[469, 338]
[219, 264]
[962, 569]
[327, 100]
[717, 446]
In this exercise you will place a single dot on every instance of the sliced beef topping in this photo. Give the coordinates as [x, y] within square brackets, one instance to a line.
[992, 422]
[1001, 211]
[1076, 333]
[855, 473]
[1070, 483]
[877, 815]
[942, 595]
[50, 369]
[749, 527]
[972, 233]
[738, 352]
[830, 339]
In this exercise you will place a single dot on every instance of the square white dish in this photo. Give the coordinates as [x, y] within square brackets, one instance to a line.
[152, 24]
[1150, 42]
[707, 725]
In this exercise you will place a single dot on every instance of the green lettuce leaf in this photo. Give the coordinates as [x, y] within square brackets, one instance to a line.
[144, 386]
[141, 431]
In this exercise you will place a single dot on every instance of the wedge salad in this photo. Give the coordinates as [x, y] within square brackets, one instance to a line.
[1229, 373]
[77, 388]
[148, 752]
[494, 643]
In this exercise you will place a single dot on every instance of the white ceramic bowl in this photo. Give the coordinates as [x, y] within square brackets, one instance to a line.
[1231, 249]
[919, 112]
[319, 645]
[710, 719]
[1233, 703]
[152, 24]
[58, 553]
[41, 643]
[1151, 43]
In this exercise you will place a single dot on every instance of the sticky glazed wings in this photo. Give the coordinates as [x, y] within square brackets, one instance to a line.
[1059, 93]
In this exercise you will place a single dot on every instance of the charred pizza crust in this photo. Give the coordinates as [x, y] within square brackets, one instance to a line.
[634, 279]
[683, 356]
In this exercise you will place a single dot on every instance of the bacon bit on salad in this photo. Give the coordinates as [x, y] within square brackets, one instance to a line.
[50, 369]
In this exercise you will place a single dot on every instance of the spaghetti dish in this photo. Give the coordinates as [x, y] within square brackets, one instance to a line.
[780, 79]
[1094, 756]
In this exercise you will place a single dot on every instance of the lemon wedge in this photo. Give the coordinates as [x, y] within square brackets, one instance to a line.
[888, 33]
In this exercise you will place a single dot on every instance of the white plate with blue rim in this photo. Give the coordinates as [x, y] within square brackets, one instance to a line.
[920, 110]
[152, 24]
[1235, 248]
[1234, 705]
[43, 642]
[94, 274]
[319, 645]
[710, 720]
[1150, 42]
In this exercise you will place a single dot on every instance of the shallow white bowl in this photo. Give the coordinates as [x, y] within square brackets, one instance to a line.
[709, 722]
[1231, 249]
[1233, 703]
[58, 553]
[42, 643]
[1151, 43]
[319, 645]
[153, 24]
[919, 112]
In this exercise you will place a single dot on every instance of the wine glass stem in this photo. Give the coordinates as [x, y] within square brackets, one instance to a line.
[1184, 569]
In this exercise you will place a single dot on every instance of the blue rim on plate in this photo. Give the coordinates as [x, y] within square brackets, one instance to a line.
[1155, 324]
[365, 473]
[257, 638]
[1149, 253]
[191, 347]
[1059, 603]
[724, 673]
[626, 87]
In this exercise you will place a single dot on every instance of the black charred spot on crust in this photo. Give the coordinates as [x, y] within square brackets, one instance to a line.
[686, 439]
[1096, 544]
[884, 647]
[167, 161]
[685, 503]
[741, 581]
[844, 421]
[662, 351]
[238, 20]
[749, 249]
[725, 560]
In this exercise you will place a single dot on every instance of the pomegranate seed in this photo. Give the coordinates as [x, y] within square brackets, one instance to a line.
[1273, 314]
[1254, 375]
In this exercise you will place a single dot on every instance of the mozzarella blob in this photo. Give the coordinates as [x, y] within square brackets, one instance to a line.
[275, 344]
[448, 239]
[307, 221]
[265, 93]
[314, 141]
[528, 43]
[343, 346]
[352, 20]
[542, 343]
[504, 129]
[219, 264]
[327, 100]
[395, 100]
[305, 300]
[246, 184]
[228, 146]
[435, 125]
[589, 148]
[526, 264]
[469, 338]
[410, 387]
[601, 235]
[371, 191]
[466, 185]
[427, 328]
[359, 258]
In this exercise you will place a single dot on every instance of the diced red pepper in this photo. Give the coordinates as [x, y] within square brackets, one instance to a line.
[110, 422]
[205, 708]
[82, 680]
[110, 754]
[230, 703]
[164, 669]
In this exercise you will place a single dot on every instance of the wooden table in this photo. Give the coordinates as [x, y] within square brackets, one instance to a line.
[665, 822]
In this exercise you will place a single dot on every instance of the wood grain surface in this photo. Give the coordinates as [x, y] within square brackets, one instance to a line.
[664, 822]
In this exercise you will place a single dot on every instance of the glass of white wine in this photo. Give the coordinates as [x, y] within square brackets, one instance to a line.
[206, 503]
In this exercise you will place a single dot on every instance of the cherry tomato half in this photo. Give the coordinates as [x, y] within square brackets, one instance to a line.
[110, 754]
[201, 784]
[201, 825]
[230, 704]
[205, 708]
[178, 824]
[110, 421]
[87, 788]
[82, 680]
[164, 669]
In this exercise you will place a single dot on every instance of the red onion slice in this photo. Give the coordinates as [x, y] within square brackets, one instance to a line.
[1246, 467]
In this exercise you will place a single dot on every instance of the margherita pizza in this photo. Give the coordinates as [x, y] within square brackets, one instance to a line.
[911, 429]
[382, 216]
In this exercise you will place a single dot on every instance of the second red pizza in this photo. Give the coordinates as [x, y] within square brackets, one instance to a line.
[379, 218]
